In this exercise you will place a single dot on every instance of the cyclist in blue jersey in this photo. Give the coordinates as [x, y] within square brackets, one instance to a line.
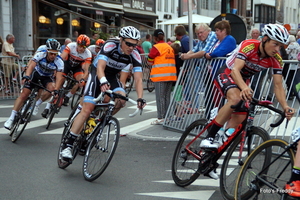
[116, 56]
[42, 68]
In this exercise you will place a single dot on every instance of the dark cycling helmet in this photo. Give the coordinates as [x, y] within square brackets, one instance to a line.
[276, 32]
[100, 42]
[130, 32]
[83, 40]
[53, 44]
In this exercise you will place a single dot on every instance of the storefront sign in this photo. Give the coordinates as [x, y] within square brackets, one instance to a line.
[146, 5]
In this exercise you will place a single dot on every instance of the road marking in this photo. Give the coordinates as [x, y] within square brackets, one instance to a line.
[182, 195]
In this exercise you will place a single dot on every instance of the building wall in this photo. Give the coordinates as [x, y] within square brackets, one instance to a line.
[6, 18]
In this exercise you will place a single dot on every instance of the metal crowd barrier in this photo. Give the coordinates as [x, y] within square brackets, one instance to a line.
[10, 70]
[195, 95]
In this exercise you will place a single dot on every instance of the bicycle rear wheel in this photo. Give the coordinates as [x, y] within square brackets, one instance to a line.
[251, 181]
[184, 165]
[150, 85]
[23, 119]
[231, 165]
[101, 149]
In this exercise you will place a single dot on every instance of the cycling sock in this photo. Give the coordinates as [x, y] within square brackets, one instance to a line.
[69, 94]
[13, 114]
[215, 127]
[295, 174]
[39, 102]
[48, 105]
[71, 139]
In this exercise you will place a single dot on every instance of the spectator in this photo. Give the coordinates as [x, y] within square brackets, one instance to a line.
[298, 37]
[9, 65]
[139, 47]
[224, 46]
[67, 41]
[207, 39]
[1, 43]
[147, 45]
[181, 35]
[292, 50]
[94, 38]
[255, 34]
[163, 73]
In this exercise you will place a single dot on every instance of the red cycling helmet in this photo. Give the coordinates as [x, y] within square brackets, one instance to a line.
[100, 42]
[83, 40]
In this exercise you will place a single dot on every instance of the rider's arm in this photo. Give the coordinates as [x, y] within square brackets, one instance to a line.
[138, 79]
[246, 91]
[123, 77]
[281, 96]
[64, 55]
[85, 68]
[30, 68]
[59, 80]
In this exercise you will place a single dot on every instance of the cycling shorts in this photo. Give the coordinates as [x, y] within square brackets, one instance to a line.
[92, 88]
[36, 77]
[68, 68]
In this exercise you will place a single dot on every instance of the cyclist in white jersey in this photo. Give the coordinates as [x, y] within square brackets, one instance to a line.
[42, 68]
[95, 48]
[77, 58]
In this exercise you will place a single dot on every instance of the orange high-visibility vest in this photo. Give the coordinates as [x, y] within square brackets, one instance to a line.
[164, 68]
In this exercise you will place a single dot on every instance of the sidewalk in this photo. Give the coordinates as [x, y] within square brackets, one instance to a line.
[156, 133]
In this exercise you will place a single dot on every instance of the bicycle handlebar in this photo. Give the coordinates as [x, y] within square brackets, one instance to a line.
[266, 104]
[116, 95]
[71, 78]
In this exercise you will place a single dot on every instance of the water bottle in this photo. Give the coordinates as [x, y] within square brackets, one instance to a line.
[229, 132]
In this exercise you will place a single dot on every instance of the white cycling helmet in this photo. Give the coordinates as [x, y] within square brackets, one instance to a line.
[276, 32]
[130, 32]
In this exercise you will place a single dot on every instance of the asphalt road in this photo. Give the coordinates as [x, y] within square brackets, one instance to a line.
[140, 168]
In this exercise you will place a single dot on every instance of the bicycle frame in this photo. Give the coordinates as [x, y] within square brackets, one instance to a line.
[243, 128]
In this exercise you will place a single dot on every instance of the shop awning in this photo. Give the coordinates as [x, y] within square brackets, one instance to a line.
[110, 5]
[115, 8]
[60, 6]
[142, 13]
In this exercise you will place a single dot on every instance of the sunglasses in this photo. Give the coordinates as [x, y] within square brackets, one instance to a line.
[83, 46]
[53, 53]
[129, 44]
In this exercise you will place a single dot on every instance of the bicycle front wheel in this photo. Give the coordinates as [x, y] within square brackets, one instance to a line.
[265, 172]
[23, 119]
[55, 107]
[232, 165]
[184, 165]
[129, 84]
[101, 149]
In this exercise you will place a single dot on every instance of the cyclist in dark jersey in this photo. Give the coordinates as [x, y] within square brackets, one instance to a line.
[44, 64]
[115, 56]
[250, 57]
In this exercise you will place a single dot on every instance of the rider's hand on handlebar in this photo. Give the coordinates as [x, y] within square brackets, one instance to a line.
[141, 103]
[104, 87]
[246, 94]
[289, 112]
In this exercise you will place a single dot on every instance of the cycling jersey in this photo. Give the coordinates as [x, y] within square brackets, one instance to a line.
[116, 61]
[46, 68]
[92, 49]
[248, 51]
[76, 59]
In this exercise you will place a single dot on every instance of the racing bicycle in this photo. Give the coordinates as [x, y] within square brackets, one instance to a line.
[98, 144]
[190, 161]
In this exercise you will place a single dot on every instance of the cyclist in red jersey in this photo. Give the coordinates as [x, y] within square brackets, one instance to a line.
[250, 57]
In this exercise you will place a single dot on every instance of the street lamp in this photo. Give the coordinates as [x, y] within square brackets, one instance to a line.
[42, 19]
[59, 21]
[75, 22]
[97, 25]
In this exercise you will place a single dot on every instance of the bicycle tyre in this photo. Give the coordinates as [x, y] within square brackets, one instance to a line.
[230, 168]
[101, 149]
[129, 88]
[61, 163]
[55, 108]
[184, 166]
[23, 120]
[258, 160]
[76, 97]
[150, 85]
